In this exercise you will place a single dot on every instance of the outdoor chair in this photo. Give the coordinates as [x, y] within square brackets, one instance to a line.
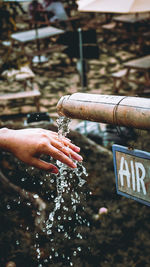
[29, 89]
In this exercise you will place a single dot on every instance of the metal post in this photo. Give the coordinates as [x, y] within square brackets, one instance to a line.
[81, 57]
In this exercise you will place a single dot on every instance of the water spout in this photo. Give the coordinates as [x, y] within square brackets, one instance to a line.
[117, 110]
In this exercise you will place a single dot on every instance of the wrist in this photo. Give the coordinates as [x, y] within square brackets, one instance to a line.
[6, 136]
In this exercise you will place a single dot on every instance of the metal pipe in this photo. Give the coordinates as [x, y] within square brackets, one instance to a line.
[117, 110]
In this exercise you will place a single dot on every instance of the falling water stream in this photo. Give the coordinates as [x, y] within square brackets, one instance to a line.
[66, 218]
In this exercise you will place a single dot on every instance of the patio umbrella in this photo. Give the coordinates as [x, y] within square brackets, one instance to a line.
[114, 6]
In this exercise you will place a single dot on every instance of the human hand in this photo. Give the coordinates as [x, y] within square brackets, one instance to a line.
[28, 144]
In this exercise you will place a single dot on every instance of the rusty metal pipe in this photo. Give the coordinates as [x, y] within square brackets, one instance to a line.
[117, 110]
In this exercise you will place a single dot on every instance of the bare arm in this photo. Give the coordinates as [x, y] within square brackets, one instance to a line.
[28, 144]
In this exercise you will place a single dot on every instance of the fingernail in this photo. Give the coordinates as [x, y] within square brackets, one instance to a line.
[54, 171]
[74, 165]
[77, 149]
[80, 158]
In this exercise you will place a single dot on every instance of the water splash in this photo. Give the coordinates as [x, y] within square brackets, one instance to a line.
[66, 218]
[63, 126]
[64, 184]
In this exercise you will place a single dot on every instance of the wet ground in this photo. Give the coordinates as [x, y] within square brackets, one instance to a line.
[118, 239]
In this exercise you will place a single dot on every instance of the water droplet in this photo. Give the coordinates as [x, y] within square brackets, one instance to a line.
[49, 232]
[56, 254]
[17, 242]
[74, 253]
[74, 208]
[36, 235]
[79, 236]
[65, 208]
[38, 253]
[35, 196]
[66, 235]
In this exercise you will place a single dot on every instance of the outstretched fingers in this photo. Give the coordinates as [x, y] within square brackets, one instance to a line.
[66, 150]
[72, 146]
[66, 141]
[61, 156]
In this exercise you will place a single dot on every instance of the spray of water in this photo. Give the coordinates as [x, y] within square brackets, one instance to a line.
[65, 227]
[66, 218]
